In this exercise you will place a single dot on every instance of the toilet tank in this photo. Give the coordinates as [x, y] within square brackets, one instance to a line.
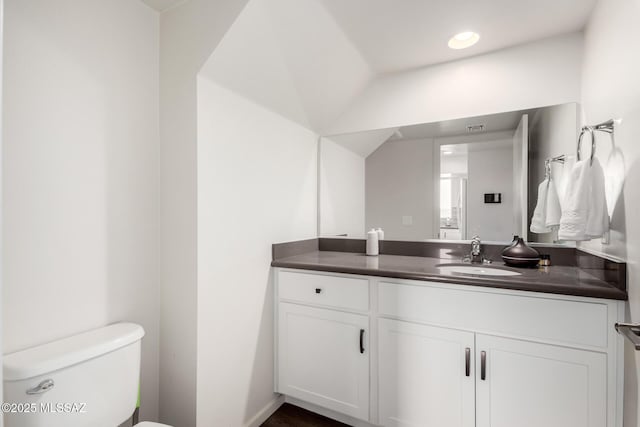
[87, 380]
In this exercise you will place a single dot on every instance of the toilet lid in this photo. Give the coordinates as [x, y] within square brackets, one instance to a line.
[150, 424]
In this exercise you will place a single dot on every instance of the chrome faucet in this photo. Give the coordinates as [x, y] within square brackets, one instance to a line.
[476, 249]
[476, 255]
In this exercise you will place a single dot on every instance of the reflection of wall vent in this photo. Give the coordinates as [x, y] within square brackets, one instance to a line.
[475, 128]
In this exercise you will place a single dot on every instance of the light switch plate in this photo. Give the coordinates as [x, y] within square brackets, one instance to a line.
[407, 220]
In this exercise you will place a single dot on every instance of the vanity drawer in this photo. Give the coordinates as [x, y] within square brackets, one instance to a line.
[555, 320]
[324, 290]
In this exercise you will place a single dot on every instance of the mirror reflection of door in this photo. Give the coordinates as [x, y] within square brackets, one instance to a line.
[453, 192]
[477, 191]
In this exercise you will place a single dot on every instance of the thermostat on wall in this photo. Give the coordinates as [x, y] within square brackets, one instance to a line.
[493, 197]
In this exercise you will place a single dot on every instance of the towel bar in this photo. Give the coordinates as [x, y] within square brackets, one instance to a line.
[631, 331]
[547, 164]
[607, 127]
[593, 142]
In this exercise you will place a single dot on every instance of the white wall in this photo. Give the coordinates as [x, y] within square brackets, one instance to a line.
[398, 183]
[257, 184]
[537, 74]
[188, 35]
[342, 191]
[1, 203]
[490, 170]
[80, 173]
[611, 89]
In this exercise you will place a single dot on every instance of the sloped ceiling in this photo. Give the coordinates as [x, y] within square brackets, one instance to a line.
[311, 60]
[290, 56]
[399, 35]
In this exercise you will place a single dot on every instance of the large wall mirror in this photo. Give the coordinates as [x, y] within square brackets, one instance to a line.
[449, 180]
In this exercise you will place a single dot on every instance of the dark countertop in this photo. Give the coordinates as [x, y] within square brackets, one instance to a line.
[558, 279]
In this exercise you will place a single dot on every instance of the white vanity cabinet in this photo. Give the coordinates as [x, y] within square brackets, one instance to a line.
[425, 375]
[450, 355]
[426, 380]
[530, 384]
[322, 345]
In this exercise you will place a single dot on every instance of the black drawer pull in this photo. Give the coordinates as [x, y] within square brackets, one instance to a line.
[361, 341]
[483, 365]
[467, 361]
[318, 290]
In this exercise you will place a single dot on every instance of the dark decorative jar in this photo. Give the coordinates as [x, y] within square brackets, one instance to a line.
[513, 242]
[519, 254]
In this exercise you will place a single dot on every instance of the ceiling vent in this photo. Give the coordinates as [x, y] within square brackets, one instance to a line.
[475, 128]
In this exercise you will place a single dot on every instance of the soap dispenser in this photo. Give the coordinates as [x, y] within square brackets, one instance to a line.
[372, 243]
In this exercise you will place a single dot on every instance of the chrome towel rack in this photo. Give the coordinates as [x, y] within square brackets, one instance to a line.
[631, 331]
[547, 163]
[607, 127]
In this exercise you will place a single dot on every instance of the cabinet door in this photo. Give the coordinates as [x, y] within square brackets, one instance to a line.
[529, 384]
[426, 376]
[323, 358]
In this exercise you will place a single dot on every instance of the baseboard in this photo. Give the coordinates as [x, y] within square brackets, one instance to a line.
[265, 412]
[328, 413]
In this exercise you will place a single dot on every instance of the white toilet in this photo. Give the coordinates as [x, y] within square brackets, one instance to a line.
[87, 380]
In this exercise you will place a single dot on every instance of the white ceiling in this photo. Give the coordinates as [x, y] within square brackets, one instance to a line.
[309, 60]
[162, 5]
[399, 35]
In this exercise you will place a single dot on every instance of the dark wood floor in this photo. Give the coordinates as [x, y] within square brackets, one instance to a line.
[292, 416]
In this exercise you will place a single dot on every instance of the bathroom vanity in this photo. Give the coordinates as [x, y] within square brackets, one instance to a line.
[397, 341]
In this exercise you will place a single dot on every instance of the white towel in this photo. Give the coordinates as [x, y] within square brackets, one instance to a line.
[538, 221]
[584, 212]
[553, 212]
[598, 219]
[546, 215]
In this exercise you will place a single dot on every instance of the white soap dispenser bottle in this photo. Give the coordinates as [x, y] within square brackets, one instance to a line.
[372, 243]
[380, 234]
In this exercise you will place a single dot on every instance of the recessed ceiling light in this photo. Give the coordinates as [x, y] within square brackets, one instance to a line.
[446, 153]
[464, 40]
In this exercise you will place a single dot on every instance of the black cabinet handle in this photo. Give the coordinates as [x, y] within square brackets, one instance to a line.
[483, 365]
[361, 341]
[467, 361]
[318, 290]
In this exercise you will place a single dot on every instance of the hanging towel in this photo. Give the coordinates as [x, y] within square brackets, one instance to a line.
[538, 221]
[598, 219]
[553, 210]
[546, 215]
[573, 224]
[584, 212]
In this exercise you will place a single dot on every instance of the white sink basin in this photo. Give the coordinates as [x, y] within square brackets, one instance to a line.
[476, 270]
